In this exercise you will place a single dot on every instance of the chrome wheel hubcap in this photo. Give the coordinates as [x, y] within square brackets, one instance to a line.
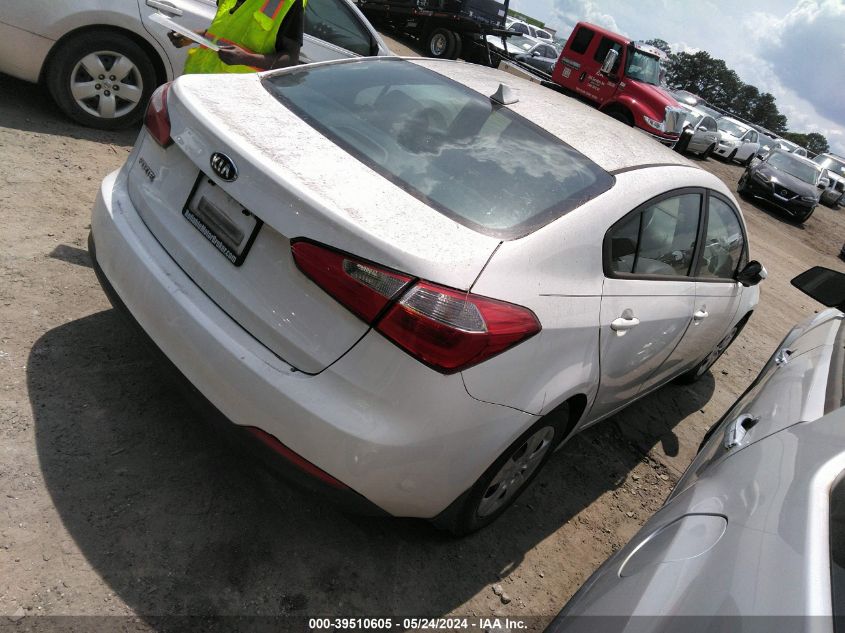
[106, 84]
[516, 471]
[438, 44]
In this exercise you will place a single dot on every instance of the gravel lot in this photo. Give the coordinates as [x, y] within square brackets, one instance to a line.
[116, 499]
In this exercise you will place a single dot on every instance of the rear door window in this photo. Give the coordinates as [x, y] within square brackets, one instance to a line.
[334, 22]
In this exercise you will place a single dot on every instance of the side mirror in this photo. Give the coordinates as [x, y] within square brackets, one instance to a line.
[824, 183]
[753, 273]
[535, 54]
[609, 61]
[702, 128]
[824, 285]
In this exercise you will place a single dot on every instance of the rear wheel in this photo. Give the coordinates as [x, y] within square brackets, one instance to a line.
[742, 185]
[509, 476]
[709, 151]
[440, 43]
[731, 156]
[459, 46]
[101, 79]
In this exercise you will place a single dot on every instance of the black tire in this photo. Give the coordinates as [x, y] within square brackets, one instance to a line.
[708, 152]
[682, 145]
[440, 43]
[621, 115]
[742, 185]
[749, 159]
[697, 373]
[468, 518]
[110, 49]
[459, 46]
[731, 156]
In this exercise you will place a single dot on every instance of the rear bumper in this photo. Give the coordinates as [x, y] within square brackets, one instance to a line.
[404, 437]
[343, 497]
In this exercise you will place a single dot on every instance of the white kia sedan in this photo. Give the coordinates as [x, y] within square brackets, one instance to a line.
[101, 61]
[411, 282]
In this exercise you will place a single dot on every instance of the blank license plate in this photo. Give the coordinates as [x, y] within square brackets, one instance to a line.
[222, 220]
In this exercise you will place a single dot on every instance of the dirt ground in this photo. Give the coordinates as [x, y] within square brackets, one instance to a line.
[115, 499]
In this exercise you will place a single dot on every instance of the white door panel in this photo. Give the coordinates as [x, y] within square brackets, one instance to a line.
[193, 14]
[629, 358]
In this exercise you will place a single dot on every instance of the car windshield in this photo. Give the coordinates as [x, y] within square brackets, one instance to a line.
[794, 167]
[643, 67]
[449, 146]
[731, 127]
[832, 164]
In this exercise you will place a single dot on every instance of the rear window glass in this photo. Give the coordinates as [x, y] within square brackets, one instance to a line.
[449, 146]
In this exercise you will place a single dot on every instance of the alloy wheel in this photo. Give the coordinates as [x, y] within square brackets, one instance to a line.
[516, 471]
[106, 84]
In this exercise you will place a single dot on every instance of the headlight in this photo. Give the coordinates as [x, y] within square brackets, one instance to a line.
[808, 198]
[657, 125]
[762, 177]
[730, 142]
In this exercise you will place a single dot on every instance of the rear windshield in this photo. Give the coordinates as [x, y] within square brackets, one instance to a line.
[447, 145]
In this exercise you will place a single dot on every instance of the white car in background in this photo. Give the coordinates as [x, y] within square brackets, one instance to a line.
[102, 61]
[414, 294]
[792, 148]
[738, 141]
[705, 131]
[529, 30]
[834, 193]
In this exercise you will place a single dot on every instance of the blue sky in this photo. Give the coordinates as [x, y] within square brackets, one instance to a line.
[794, 49]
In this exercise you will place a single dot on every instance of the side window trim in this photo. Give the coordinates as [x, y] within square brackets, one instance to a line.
[708, 193]
[639, 209]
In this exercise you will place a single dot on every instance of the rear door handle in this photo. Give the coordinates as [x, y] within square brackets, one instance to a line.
[737, 430]
[623, 324]
[164, 7]
[700, 315]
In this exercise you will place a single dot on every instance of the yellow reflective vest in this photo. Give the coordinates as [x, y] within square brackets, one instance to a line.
[254, 27]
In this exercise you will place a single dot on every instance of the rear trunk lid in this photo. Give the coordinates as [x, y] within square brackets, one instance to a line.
[233, 237]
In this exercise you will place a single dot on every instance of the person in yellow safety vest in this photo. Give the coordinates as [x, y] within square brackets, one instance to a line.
[253, 35]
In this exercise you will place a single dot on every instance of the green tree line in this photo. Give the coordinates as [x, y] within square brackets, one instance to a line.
[710, 78]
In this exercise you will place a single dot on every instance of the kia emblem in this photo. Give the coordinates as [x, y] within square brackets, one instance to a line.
[223, 167]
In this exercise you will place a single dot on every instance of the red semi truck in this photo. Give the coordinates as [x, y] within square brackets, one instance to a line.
[622, 78]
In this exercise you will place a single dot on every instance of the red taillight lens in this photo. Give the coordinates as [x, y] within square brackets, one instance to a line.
[361, 287]
[448, 330]
[157, 119]
[297, 460]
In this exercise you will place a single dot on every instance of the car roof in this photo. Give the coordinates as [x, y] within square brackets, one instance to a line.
[605, 141]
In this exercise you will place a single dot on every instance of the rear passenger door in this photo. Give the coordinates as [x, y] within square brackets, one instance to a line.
[648, 294]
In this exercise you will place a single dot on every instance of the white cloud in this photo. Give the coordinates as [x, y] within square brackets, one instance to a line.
[794, 49]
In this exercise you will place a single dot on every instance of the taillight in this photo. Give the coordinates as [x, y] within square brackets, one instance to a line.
[449, 330]
[362, 287]
[157, 119]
